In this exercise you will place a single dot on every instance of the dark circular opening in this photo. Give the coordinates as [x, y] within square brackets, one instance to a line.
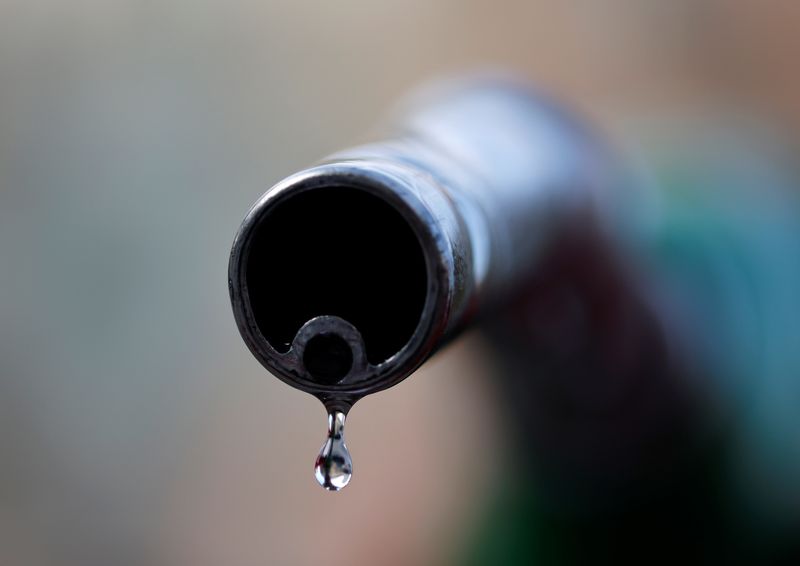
[328, 358]
[337, 251]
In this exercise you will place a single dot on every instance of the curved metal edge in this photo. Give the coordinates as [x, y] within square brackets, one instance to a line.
[403, 188]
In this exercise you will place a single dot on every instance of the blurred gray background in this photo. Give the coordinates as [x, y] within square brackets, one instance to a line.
[135, 428]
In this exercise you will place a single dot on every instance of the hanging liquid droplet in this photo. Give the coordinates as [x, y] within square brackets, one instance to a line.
[334, 467]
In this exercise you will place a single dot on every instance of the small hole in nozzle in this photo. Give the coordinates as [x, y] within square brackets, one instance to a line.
[328, 358]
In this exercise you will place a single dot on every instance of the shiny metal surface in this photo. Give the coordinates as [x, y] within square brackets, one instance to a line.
[485, 172]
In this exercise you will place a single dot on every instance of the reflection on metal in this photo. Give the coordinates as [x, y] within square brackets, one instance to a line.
[475, 181]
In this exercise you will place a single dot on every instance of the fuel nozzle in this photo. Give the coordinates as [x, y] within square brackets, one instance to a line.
[347, 276]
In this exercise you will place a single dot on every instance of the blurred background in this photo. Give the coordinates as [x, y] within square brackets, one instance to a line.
[135, 428]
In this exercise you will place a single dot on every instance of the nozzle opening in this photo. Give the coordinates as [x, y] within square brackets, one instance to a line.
[328, 358]
[339, 251]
